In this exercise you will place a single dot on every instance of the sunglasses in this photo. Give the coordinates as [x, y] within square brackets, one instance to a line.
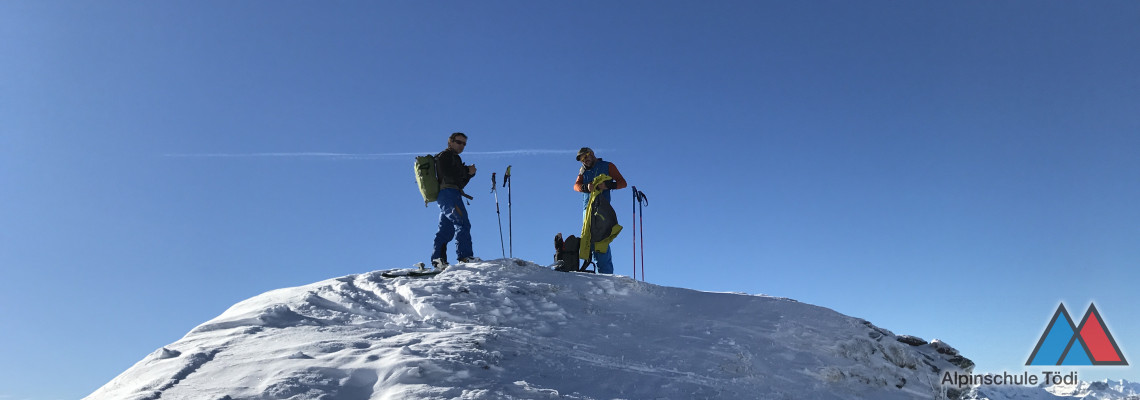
[461, 143]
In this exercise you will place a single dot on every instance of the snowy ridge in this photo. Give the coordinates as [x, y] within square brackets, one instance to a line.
[509, 329]
[1098, 390]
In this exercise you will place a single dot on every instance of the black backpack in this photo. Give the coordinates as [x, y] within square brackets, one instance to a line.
[566, 253]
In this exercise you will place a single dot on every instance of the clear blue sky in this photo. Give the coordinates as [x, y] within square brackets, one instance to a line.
[950, 170]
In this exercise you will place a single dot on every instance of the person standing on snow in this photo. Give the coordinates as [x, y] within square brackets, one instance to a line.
[591, 168]
[453, 221]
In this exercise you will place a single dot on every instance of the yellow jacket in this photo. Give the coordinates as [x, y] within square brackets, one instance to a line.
[600, 209]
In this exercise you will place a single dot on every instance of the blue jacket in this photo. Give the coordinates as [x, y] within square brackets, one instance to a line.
[586, 176]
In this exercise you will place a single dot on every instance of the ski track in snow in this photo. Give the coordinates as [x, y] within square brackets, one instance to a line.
[194, 362]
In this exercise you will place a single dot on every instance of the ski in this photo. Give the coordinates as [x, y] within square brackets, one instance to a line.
[419, 271]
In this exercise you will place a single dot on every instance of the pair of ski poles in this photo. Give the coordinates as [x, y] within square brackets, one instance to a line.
[510, 230]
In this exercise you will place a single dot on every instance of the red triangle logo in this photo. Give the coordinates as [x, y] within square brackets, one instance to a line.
[1098, 340]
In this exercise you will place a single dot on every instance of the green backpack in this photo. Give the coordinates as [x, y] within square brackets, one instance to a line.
[427, 178]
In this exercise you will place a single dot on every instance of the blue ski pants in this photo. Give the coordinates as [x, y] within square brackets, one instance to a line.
[604, 261]
[453, 224]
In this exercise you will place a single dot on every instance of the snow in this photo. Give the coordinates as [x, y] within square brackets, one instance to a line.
[510, 329]
[1106, 389]
[1099, 390]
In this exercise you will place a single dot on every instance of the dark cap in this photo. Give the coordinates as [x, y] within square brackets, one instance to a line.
[583, 151]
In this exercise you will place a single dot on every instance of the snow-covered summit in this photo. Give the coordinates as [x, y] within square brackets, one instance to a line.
[509, 329]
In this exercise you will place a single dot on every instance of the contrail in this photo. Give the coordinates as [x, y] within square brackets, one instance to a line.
[368, 156]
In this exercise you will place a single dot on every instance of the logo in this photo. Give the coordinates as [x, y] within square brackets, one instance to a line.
[1065, 343]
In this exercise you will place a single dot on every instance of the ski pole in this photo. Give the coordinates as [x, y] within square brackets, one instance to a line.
[510, 229]
[642, 201]
[641, 218]
[633, 214]
[497, 214]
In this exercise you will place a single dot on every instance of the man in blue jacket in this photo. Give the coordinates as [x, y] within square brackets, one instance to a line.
[593, 166]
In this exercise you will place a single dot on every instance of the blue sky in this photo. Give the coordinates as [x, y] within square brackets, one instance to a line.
[946, 170]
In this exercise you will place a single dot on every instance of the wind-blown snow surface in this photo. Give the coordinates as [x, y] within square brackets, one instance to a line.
[508, 329]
